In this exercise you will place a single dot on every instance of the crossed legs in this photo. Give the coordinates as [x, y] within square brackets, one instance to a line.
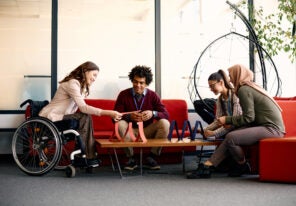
[237, 138]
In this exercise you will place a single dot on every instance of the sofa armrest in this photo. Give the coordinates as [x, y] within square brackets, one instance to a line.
[277, 159]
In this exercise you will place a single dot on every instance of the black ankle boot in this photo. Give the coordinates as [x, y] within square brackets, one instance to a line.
[202, 172]
[240, 169]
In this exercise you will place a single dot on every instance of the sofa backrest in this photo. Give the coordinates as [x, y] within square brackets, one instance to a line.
[177, 109]
[285, 98]
[102, 123]
[289, 116]
[104, 127]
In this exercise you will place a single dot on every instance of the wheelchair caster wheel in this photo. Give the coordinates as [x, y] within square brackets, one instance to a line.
[70, 171]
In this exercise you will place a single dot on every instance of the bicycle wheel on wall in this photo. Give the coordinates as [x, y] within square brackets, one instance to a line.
[225, 51]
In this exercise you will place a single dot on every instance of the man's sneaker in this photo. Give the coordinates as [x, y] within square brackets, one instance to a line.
[130, 165]
[92, 162]
[152, 164]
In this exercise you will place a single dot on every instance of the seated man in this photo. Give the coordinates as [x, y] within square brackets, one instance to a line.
[146, 107]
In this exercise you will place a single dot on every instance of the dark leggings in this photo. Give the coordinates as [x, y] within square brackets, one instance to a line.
[233, 141]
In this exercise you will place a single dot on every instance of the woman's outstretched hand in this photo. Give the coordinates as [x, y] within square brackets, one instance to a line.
[116, 116]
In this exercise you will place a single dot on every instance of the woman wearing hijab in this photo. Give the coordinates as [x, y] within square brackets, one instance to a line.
[261, 118]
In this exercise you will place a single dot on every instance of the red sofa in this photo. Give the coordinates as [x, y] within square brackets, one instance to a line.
[104, 127]
[277, 156]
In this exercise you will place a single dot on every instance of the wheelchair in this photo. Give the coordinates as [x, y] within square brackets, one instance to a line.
[40, 145]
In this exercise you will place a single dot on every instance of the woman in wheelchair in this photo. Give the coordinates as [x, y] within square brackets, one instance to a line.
[69, 98]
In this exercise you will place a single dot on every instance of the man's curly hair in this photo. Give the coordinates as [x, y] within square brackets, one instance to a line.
[141, 71]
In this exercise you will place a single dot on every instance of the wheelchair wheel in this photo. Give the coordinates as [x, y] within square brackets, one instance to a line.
[70, 171]
[36, 146]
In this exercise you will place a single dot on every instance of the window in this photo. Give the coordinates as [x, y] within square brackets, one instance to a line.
[25, 51]
[116, 35]
[187, 29]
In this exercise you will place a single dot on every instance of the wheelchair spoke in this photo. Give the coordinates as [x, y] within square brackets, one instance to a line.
[36, 146]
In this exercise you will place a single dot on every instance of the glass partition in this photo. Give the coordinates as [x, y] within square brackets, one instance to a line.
[116, 35]
[187, 28]
[25, 51]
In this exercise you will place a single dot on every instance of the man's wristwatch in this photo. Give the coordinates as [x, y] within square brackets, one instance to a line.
[154, 113]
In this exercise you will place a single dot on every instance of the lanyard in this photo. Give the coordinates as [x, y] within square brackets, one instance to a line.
[136, 103]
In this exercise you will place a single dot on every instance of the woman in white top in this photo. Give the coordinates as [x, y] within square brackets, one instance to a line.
[69, 97]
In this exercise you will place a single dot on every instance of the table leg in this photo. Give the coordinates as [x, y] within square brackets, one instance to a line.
[118, 164]
[200, 155]
[111, 160]
[183, 160]
[141, 160]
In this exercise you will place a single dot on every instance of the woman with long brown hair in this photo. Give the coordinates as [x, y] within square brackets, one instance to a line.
[227, 104]
[69, 97]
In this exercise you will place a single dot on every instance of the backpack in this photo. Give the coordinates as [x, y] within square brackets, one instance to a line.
[205, 108]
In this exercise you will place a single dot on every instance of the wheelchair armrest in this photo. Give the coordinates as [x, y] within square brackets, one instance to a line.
[63, 125]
